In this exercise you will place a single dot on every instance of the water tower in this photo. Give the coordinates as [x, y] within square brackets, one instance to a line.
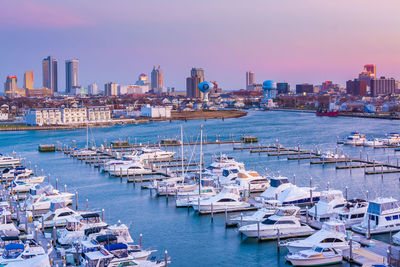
[205, 88]
[269, 88]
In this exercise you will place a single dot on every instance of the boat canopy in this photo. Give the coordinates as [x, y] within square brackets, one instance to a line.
[277, 181]
[10, 238]
[104, 238]
[93, 230]
[111, 247]
[90, 215]
[14, 246]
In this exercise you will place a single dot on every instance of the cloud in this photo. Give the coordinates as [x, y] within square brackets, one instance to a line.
[35, 15]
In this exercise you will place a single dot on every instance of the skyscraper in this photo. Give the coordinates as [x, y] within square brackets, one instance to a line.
[71, 74]
[93, 89]
[111, 88]
[28, 80]
[283, 88]
[49, 65]
[368, 73]
[196, 77]
[157, 80]
[383, 86]
[10, 86]
[250, 80]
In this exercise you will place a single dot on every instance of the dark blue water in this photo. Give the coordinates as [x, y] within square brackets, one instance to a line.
[192, 240]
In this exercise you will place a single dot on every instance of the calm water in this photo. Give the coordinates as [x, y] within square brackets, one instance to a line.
[192, 240]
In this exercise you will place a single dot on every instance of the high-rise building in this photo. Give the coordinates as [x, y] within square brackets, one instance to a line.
[368, 73]
[383, 86]
[10, 86]
[250, 80]
[283, 88]
[304, 88]
[93, 89]
[157, 80]
[111, 89]
[71, 74]
[196, 77]
[49, 65]
[28, 80]
[356, 87]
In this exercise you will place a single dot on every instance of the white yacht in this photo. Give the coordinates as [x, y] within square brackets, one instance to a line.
[9, 161]
[153, 154]
[185, 199]
[252, 180]
[330, 203]
[331, 235]
[329, 156]
[30, 179]
[374, 142]
[355, 139]
[295, 195]
[229, 198]
[317, 256]
[174, 186]
[127, 158]
[260, 215]
[353, 212]
[131, 168]
[277, 185]
[75, 228]
[40, 197]
[58, 214]
[284, 219]
[83, 153]
[19, 253]
[20, 172]
[7, 226]
[392, 139]
[383, 215]
[21, 186]
[223, 162]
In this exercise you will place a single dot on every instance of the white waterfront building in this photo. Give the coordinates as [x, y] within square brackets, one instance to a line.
[67, 116]
[156, 112]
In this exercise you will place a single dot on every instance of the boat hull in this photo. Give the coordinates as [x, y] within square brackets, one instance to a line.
[314, 261]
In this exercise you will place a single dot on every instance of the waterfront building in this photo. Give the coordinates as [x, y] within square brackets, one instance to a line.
[304, 88]
[356, 87]
[250, 80]
[49, 66]
[28, 80]
[283, 88]
[93, 89]
[111, 89]
[67, 116]
[11, 86]
[71, 74]
[383, 86]
[156, 112]
[192, 82]
[157, 80]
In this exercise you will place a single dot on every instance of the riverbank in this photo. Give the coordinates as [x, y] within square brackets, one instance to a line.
[175, 115]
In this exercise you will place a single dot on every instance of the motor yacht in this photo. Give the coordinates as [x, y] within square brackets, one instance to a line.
[40, 197]
[316, 256]
[223, 162]
[260, 215]
[331, 235]
[355, 139]
[11, 173]
[127, 158]
[330, 203]
[174, 186]
[277, 185]
[185, 199]
[353, 212]
[383, 216]
[58, 214]
[229, 198]
[374, 142]
[131, 168]
[19, 253]
[83, 153]
[75, 228]
[9, 161]
[20, 186]
[284, 220]
[30, 179]
[150, 154]
[392, 139]
[251, 180]
[329, 156]
[299, 195]
[7, 226]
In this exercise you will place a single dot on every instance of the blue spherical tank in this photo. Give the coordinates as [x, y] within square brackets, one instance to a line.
[205, 87]
[269, 85]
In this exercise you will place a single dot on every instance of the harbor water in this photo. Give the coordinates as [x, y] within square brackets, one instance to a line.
[193, 240]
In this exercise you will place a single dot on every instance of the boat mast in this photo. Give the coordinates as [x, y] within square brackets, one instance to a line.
[183, 167]
[201, 158]
[87, 135]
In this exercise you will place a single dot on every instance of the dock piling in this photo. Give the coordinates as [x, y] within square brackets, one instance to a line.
[226, 215]
[258, 230]
[65, 188]
[102, 215]
[87, 204]
[35, 170]
[278, 240]
[212, 213]
[56, 183]
[166, 258]
[76, 200]
[42, 171]
[141, 241]
[43, 224]
[54, 236]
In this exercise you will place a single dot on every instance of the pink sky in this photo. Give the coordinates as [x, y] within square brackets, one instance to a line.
[286, 40]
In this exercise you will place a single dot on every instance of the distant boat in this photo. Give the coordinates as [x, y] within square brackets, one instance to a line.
[328, 113]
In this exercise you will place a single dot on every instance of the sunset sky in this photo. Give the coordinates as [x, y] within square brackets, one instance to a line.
[285, 40]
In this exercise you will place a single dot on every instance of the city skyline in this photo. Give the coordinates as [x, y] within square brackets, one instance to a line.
[310, 47]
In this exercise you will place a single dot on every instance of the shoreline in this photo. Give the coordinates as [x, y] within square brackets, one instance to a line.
[181, 115]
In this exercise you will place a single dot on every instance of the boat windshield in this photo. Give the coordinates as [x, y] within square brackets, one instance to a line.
[278, 182]
[268, 222]
[318, 249]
